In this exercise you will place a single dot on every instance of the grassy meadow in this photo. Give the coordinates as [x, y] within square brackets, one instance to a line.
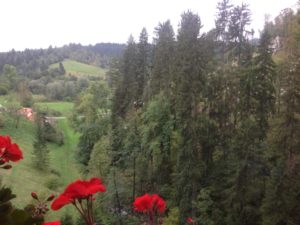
[65, 108]
[80, 69]
[24, 178]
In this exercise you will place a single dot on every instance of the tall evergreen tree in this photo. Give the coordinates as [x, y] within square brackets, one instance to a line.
[239, 20]
[142, 69]
[189, 81]
[163, 56]
[40, 151]
[126, 90]
[281, 204]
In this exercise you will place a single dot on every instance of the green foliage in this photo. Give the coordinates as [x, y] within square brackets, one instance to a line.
[163, 57]
[206, 208]
[40, 151]
[5, 204]
[173, 217]
[25, 96]
[99, 160]
[9, 215]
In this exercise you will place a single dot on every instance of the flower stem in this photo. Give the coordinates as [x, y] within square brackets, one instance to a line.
[81, 213]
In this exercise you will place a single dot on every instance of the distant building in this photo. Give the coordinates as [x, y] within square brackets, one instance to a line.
[28, 113]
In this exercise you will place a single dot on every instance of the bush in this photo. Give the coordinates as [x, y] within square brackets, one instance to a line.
[26, 100]
[52, 134]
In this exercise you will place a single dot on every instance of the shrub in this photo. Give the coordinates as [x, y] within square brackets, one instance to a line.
[52, 134]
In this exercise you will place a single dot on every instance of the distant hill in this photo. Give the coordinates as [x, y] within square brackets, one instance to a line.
[33, 63]
[75, 68]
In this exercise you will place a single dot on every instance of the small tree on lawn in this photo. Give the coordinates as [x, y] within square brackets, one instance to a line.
[40, 151]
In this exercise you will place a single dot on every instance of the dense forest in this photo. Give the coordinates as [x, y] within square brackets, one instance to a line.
[209, 121]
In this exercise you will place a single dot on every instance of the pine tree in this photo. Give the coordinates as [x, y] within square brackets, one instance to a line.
[126, 90]
[163, 56]
[40, 151]
[239, 20]
[188, 81]
[142, 69]
[281, 204]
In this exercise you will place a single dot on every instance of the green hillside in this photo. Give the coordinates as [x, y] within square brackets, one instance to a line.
[80, 69]
[23, 178]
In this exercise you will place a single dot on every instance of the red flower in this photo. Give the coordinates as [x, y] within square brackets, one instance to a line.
[143, 203]
[52, 223]
[152, 205]
[159, 203]
[9, 151]
[190, 220]
[61, 201]
[149, 203]
[78, 190]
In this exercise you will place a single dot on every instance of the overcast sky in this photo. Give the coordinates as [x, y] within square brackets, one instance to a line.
[40, 23]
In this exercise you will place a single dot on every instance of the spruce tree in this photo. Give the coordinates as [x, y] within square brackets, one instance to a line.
[142, 69]
[163, 56]
[40, 151]
[189, 81]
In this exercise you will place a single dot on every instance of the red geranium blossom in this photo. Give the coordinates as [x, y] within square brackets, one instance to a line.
[78, 190]
[79, 193]
[151, 205]
[148, 202]
[9, 151]
[52, 223]
[190, 220]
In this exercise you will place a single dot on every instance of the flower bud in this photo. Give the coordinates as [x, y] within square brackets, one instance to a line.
[34, 195]
[50, 198]
[7, 167]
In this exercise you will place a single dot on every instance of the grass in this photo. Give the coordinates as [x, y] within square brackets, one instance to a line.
[65, 108]
[23, 178]
[80, 69]
[8, 99]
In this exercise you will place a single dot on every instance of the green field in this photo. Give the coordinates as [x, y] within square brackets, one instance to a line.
[23, 178]
[80, 69]
[12, 98]
[65, 108]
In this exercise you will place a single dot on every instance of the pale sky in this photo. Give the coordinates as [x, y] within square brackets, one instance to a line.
[40, 23]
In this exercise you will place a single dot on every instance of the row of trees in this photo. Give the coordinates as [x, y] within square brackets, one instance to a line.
[209, 118]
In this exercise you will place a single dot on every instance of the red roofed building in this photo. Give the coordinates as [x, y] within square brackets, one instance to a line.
[27, 113]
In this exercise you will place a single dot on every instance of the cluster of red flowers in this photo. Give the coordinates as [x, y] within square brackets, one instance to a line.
[9, 152]
[76, 193]
[151, 205]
